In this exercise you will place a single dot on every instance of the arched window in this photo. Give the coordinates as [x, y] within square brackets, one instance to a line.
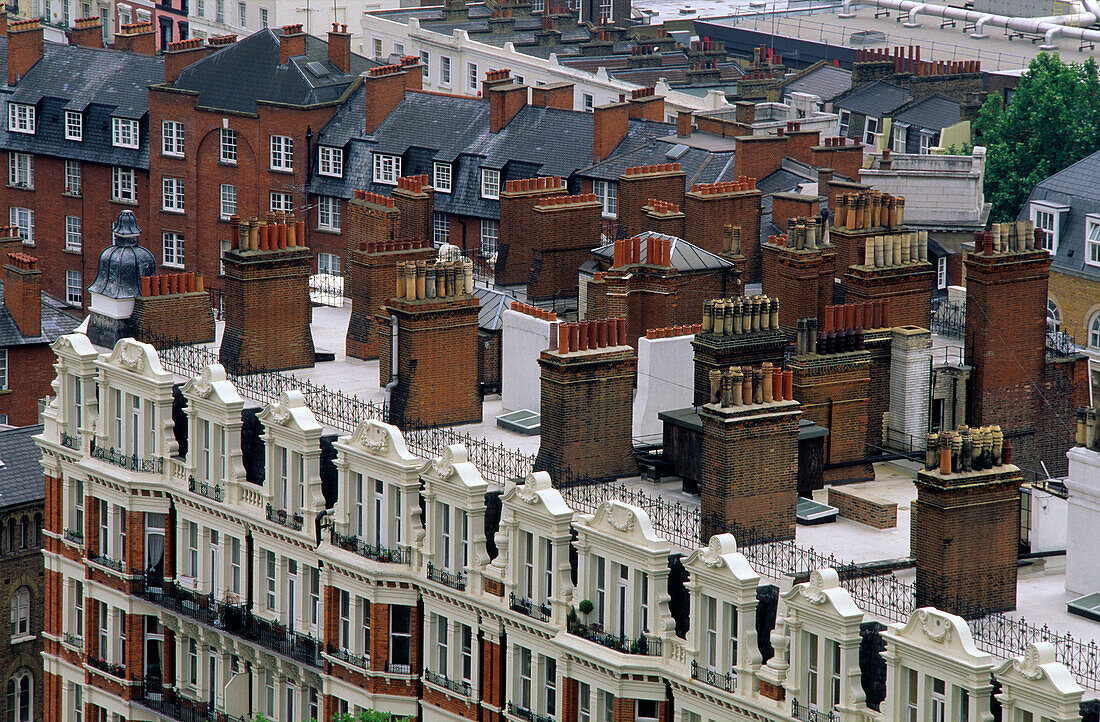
[20, 692]
[1054, 316]
[24, 533]
[1094, 332]
[37, 530]
[21, 612]
[11, 535]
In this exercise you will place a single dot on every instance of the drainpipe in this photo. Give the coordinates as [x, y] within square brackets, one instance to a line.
[393, 360]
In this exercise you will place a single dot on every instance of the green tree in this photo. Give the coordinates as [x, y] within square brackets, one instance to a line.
[1052, 121]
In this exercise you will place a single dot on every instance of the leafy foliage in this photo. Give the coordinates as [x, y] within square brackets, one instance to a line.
[1052, 121]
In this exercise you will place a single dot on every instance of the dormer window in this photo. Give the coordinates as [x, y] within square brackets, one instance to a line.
[331, 161]
[490, 183]
[124, 133]
[21, 118]
[441, 177]
[74, 125]
[387, 168]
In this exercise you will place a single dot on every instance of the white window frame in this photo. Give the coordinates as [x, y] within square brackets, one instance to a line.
[608, 193]
[441, 177]
[471, 76]
[871, 128]
[330, 161]
[328, 263]
[74, 178]
[1094, 331]
[1092, 240]
[387, 168]
[21, 170]
[328, 213]
[21, 118]
[227, 146]
[926, 142]
[74, 233]
[490, 183]
[441, 228]
[444, 70]
[280, 201]
[172, 199]
[173, 248]
[490, 236]
[282, 153]
[900, 133]
[74, 125]
[1039, 211]
[74, 288]
[845, 121]
[588, 103]
[23, 219]
[21, 613]
[426, 63]
[123, 185]
[227, 196]
[171, 138]
[125, 133]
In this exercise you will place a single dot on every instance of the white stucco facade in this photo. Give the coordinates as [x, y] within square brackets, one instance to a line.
[665, 376]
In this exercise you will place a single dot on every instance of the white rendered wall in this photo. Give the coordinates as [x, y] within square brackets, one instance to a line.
[1083, 545]
[941, 189]
[523, 338]
[910, 376]
[1048, 522]
[666, 378]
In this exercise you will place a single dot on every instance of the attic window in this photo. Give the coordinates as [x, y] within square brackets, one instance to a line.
[676, 151]
[317, 68]
[124, 133]
[21, 118]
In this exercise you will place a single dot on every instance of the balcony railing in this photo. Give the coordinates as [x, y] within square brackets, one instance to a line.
[526, 714]
[523, 605]
[395, 668]
[170, 703]
[118, 670]
[281, 517]
[74, 536]
[73, 641]
[70, 442]
[359, 660]
[202, 488]
[106, 561]
[727, 681]
[133, 462]
[811, 714]
[644, 644]
[377, 552]
[454, 581]
[236, 619]
[453, 685]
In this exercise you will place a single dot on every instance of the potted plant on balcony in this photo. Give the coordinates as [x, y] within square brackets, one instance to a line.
[639, 645]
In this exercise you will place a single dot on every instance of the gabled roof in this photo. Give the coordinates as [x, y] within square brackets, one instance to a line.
[933, 113]
[825, 81]
[493, 305]
[55, 322]
[248, 71]
[875, 99]
[22, 479]
[698, 164]
[685, 256]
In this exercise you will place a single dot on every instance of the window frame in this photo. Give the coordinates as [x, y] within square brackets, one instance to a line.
[285, 204]
[227, 146]
[172, 195]
[1094, 331]
[74, 130]
[1092, 228]
[941, 273]
[125, 133]
[281, 153]
[69, 233]
[173, 246]
[330, 161]
[328, 214]
[445, 70]
[1038, 209]
[442, 177]
[74, 286]
[441, 228]
[225, 212]
[172, 139]
[845, 121]
[490, 183]
[608, 193]
[386, 168]
[14, 217]
[868, 122]
[123, 179]
[70, 188]
[21, 118]
[21, 613]
[21, 170]
[489, 238]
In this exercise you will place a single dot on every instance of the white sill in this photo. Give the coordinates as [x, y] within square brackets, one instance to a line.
[177, 211]
[24, 638]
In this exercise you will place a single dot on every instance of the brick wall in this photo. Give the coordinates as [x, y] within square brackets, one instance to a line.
[184, 317]
[758, 156]
[908, 290]
[845, 159]
[371, 282]
[638, 185]
[516, 241]
[30, 378]
[708, 213]
[864, 508]
[562, 232]
[414, 200]
[716, 351]
[834, 392]
[24, 568]
[803, 280]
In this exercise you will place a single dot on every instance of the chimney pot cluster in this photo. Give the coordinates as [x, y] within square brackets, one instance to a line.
[166, 284]
[23, 261]
[673, 331]
[746, 386]
[913, 63]
[409, 244]
[835, 142]
[385, 70]
[375, 198]
[549, 201]
[82, 23]
[413, 183]
[650, 169]
[494, 75]
[21, 25]
[658, 251]
[219, 40]
[535, 311]
[1016, 237]
[533, 184]
[740, 315]
[292, 29]
[417, 280]
[966, 449]
[642, 93]
[897, 249]
[740, 185]
[660, 207]
[803, 234]
[188, 44]
[138, 28]
[1088, 430]
[591, 335]
[869, 209]
[280, 232]
[844, 328]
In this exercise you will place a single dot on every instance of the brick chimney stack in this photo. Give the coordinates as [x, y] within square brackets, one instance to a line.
[3, 23]
[267, 309]
[292, 43]
[644, 104]
[87, 33]
[736, 332]
[385, 89]
[179, 55]
[414, 199]
[683, 123]
[638, 185]
[24, 48]
[414, 72]
[587, 399]
[894, 268]
[565, 229]
[966, 523]
[710, 207]
[609, 126]
[515, 249]
[339, 47]
[505, 100]
[798, 267]
[23, 293]
[749, 462]
[138, 38]
[553, 95]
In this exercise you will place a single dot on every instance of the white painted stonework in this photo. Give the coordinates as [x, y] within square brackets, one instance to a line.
[1083, 546]
[523, 338]
[666, 374]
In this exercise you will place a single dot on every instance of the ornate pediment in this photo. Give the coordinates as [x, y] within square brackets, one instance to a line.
[140, 358]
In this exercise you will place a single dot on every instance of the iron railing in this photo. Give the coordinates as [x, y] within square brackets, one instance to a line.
[1061, 344]
[453, 580]
[117, 670]
[644, 644]
[70, 442]
[73, 640]
[523, 605]
[811, 714]
[74, 536]
[392, 555]
[361, 661]
[283, 518]
[170, 703]
[395, 668]
[132, 462]
[527, 714]
[106, 561]
[727, 681]
[457, 686]
[202, 488]
[948, 317]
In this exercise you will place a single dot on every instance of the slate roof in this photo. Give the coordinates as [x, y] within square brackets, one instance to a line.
[825, 81]
[22, 479]
[1078, 187]
[699, 166]
[99, 83]
[236, 77]
[933, 113]
[55, 322]
[493, 305]
[875, 99]
[686, 257]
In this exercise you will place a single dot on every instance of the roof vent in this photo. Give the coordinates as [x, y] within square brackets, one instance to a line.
[316, 68]
[676, 151]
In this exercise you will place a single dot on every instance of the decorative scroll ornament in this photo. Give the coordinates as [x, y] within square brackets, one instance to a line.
[814, 591]
[620, 517]
[130, 355]
[532, 485]
[443, 465]
[935, 628]
[1030, 666]
[374, 438]
[720, 545]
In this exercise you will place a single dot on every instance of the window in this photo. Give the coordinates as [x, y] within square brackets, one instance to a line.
[939, 700]
[1094, 332]
[1054, 315]
[587, 102]
[1046, 221]
[870, 131]
[911, 696]
[550, 679]
[173, 249]
[228, 201]
[78, 609]
[228, 146]
[441, 177]
[466, 653]
[281, 202]
[331, 161]
[525, 680]
[399, 49]
[328, 213]
[242, 14]
[72, 177]
[172, 194]
[400, 638]
[200, 8]
[387, 168]
[73, 237]
[811, 669]
[645, 710]
[103, 633]
[441, 645]
[328, 263]
[517, 79]
[74, 288]
[608, 193]
[941, 272]
[171, 138]
[124, 133]
[23, 219]
[123, 189]
[834, 674]
[471, 76]
[20, 688]
[1092, 242]
[193, 662]
[377, 45]
[444, 70]
[20, 170]
[900, 131]
[490, 232]
[20, 118]
[490, 183]
[21, 612]
[425, 62]
[263, 17]
[219, 11]
[845, 121]
[282, 152]
[584, 702]
[74, 125]
[441, 229]
[270, 580]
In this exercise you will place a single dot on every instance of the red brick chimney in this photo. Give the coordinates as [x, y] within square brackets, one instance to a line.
[3, 23]
[23, 293]
[414, 199]
[24, 48]
[645, 105]
[683, 124]
[758, 156]
[178, 56]
[339, 47]
[292, 43]
[609, 126]
[494, 78]
[385, 89]
[505, 100]
[639, 185]
[414, 72]
[553, 95]
[138, 38]
[87, 33]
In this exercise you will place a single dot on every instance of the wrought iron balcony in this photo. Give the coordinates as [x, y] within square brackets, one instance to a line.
[644, 644]
[395, 668]
[377, 552]
[452, 685]
[281, 517]
[806, 713]
[117, 670]
[359, 660]
[104, 560]
[70, 442]
[74, 536]
[526, 714]
[727, 681]
[132, 462]
[73, 640]
[169, 703]
[454, 581]
[523, 605]
[202, 488]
